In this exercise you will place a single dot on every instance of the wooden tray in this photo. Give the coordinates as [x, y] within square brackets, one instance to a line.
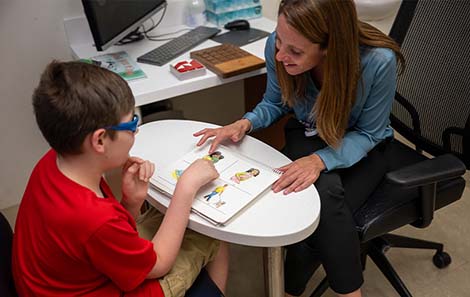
[227, 60]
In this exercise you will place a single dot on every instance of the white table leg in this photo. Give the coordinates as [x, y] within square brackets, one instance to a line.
[274, 271]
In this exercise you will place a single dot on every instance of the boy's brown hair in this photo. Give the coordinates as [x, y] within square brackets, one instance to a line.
[74, 99]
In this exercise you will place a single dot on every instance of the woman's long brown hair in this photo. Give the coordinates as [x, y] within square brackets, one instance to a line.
[333, 24]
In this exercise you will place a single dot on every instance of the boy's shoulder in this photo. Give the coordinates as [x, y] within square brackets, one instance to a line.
[66, 203]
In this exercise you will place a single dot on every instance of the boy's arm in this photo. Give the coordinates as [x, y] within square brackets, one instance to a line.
[167, 240]
[169, 236]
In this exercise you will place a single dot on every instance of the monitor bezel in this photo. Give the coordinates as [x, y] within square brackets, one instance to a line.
[99, 44]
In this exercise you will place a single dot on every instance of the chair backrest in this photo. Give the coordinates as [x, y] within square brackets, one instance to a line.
[7, 288]
[432, 106]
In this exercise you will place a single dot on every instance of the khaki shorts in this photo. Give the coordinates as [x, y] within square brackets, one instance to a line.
[196, 251]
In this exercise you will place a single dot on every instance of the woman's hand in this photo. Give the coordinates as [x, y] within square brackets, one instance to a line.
[234, 131]
[136, 173]
[299, 174]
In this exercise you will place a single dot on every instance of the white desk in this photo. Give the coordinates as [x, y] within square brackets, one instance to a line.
[160, 84]
[274, 220]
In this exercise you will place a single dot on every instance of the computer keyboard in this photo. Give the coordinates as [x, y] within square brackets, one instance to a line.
[175, 47]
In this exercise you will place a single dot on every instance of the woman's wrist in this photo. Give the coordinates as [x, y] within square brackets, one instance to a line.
[246, 125]
[318, 161]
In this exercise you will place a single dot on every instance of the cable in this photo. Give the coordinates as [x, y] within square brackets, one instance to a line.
[156, 37]
[131, 37]
[137, 35]
[153, 24]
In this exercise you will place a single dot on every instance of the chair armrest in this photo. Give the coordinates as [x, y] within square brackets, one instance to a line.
[428, 172]
[426, 175]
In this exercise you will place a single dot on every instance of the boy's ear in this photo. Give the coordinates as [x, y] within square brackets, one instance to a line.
[97, 140]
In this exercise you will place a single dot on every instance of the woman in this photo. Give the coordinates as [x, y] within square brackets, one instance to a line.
[338, 76]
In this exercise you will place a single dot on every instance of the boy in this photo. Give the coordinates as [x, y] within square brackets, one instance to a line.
[72, 237]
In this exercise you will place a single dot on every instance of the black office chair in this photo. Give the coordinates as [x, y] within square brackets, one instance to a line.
[432, 111]
[7, 287]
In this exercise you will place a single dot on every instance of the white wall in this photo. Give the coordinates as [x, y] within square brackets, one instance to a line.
[270, 8]
[31, 35]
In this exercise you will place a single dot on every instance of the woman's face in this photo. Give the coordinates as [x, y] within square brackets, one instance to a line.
[296, 52]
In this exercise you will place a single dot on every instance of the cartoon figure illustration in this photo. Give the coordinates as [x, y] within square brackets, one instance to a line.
[217, 191]
[219, 203]
[214, 157]
[245, 175]
[176, 173]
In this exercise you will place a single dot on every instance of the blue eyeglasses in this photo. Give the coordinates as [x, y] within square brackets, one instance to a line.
[127, 126]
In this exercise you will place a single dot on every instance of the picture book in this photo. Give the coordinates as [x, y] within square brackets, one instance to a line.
[120, 63]
[241, 180]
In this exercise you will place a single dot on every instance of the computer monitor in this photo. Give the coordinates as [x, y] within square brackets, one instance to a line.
[112, 20]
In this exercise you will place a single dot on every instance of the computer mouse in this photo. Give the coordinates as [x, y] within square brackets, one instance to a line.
[237, 25]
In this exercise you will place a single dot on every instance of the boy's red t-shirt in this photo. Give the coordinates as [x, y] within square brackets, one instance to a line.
[68, 241]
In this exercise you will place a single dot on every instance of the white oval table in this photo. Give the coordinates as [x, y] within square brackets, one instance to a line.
[272, 221]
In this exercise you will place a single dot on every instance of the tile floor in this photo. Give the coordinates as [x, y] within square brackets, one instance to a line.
[451, 226]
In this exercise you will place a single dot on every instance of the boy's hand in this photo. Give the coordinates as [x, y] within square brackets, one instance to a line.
[136, 173]
[199, 173]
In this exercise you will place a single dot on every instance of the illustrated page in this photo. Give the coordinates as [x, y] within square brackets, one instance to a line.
[241, 180]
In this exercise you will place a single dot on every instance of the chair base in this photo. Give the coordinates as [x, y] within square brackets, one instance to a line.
[376, 249]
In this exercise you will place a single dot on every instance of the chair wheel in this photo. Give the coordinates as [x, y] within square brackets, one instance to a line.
[441, 259]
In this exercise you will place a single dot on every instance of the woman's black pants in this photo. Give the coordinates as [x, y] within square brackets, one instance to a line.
[335, 243]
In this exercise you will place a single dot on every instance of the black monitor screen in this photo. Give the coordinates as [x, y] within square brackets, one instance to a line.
[111, 20]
